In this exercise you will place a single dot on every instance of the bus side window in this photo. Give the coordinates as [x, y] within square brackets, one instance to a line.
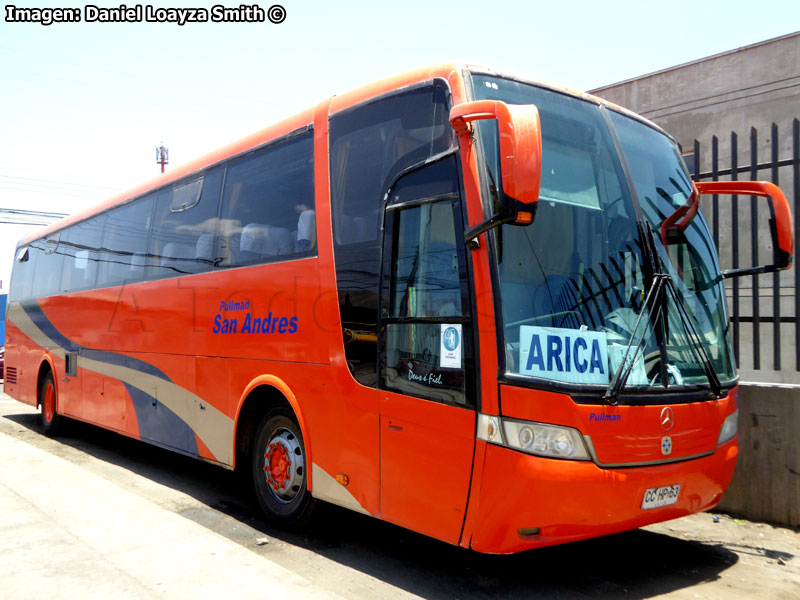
[80, 244]
[426, 325]
[369, 146]
[426, 273]
[49, 263]
[183, 229]
[126, 231]
[268, 205]
[22, 275]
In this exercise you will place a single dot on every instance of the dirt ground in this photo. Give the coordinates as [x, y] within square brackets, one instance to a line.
[354, 556]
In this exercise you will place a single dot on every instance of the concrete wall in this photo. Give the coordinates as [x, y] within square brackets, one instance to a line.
[748, 87]
[766, 485]
[753, 86]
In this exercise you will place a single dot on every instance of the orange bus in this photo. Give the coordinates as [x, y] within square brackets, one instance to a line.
[479, 307]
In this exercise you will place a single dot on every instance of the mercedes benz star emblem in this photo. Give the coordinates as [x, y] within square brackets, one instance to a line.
[667, 419]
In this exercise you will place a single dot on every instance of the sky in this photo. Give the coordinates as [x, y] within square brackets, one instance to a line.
[83, 106]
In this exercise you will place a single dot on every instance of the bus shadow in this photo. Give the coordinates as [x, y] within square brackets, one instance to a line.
[637, 564]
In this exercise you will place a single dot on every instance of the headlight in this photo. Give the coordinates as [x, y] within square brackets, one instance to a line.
[545, 440]
[730, 426]
[534, 438]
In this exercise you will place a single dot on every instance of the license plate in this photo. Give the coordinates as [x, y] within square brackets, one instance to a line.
[661, 496]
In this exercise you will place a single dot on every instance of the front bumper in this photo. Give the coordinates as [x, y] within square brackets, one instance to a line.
[573, 500]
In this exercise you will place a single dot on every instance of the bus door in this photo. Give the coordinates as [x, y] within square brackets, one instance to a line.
[427, 416]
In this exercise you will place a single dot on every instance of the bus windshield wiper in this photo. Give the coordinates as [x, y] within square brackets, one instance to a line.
[652, 299]
[694, 339]
[687, 212]
[662, 289]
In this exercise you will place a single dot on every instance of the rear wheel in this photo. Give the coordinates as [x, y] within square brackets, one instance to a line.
[279, 470]
[49, 419]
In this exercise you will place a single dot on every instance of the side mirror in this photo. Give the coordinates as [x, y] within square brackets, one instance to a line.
[520, 151]
[780, 223]
[520, 143]
[678, 221]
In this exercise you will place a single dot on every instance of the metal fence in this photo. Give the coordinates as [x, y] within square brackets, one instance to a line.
[764, 308]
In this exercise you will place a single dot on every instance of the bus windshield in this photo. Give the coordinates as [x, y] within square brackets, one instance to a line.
[573, 285]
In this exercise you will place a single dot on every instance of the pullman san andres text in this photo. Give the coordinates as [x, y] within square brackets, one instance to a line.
[226, 324]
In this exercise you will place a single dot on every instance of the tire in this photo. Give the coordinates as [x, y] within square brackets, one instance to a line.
[279, 470]
[49, 419]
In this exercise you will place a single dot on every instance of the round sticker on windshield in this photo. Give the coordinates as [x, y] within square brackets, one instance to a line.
[450, 339]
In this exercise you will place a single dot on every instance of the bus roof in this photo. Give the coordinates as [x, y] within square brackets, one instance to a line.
[448, 71]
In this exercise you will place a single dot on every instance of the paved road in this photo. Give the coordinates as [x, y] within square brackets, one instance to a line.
[93, 515]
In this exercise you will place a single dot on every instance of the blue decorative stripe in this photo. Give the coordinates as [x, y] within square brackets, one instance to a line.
[158, 423]
[36, 314]
[121, 360]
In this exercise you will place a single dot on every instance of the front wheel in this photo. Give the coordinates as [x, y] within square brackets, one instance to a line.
[279, 470]
[49, 419]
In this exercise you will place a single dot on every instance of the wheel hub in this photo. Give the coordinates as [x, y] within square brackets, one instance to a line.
[283, 465]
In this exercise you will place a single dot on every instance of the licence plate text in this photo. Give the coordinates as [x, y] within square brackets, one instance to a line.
[661, 496]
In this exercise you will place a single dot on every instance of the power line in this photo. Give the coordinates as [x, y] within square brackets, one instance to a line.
[31, 223]
[17, 216]
[37, 213]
